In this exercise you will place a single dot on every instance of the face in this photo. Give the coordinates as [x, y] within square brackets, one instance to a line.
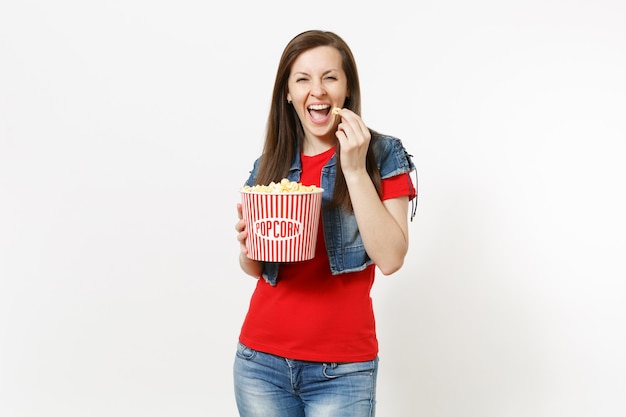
[317, 83]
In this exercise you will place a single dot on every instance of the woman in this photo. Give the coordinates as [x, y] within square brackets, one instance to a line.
[308, 343]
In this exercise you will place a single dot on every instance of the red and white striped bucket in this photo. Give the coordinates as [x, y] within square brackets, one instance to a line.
[282, 227]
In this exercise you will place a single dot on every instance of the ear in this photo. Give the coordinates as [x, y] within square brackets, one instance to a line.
[288, 98]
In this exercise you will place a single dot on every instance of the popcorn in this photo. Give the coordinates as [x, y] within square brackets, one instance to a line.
[282, 220]
[284, 186]
[336, 110]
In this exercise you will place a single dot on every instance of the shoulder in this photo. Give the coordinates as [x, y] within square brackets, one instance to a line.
[254, 172]
[391, 156]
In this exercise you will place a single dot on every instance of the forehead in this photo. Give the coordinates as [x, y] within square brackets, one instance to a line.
[320, 58]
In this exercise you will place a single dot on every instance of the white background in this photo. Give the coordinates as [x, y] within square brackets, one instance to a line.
[127, 127]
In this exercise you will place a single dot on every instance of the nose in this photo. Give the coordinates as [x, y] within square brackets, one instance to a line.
[317, 89]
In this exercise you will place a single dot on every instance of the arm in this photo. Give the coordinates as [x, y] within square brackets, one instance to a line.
[383, 225]
[249, 266]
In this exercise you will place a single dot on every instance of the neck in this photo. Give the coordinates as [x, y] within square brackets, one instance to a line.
[316, 146]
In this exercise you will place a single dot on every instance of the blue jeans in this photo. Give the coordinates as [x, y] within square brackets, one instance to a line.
[271, 386]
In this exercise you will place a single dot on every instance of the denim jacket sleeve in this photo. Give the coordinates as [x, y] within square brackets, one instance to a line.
[393, 159]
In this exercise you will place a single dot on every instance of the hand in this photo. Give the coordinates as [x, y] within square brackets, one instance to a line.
[249, 266]
[354, 139]
[242, 233]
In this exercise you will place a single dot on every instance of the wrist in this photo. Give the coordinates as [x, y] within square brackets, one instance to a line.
[357, 176]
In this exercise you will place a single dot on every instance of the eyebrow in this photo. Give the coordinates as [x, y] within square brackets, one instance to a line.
[324, 73]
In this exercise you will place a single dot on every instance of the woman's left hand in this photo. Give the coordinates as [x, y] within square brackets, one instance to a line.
[354, 139]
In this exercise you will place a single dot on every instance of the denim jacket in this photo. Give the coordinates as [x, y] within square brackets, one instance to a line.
[345, 248]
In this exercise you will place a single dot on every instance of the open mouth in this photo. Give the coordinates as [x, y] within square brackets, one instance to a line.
[318, 111]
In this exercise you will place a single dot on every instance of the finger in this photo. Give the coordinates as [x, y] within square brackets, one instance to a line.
[242, 236]
[240, 210]
[355, 121]
[351, 135]
[343, 139]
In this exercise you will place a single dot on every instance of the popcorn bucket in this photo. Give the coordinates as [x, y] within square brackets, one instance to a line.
[282, 227]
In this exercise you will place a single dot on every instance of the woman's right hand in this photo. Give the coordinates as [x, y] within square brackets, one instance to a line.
[249, 266]
[242, 233]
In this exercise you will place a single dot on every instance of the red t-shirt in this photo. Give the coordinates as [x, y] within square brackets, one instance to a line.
[311, 314]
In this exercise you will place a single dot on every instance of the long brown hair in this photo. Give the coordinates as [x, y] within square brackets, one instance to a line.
[284, 135]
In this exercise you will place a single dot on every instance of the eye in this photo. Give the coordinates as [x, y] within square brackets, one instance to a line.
[331, 77]
[301, 79]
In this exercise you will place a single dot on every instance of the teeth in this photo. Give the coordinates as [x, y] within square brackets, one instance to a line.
[318, 106]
